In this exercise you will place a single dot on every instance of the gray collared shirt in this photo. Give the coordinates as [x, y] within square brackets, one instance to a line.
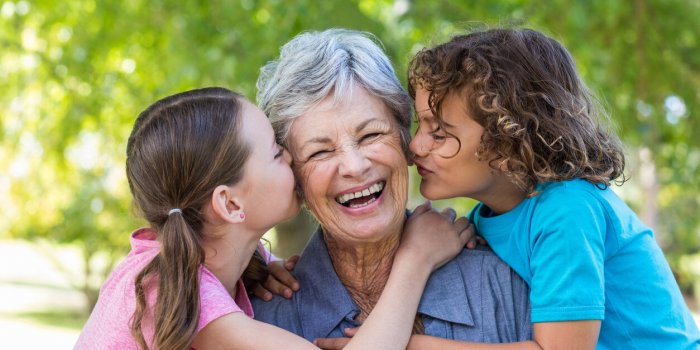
[474, 297]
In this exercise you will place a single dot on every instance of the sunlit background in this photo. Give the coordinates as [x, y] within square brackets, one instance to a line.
[74, 75]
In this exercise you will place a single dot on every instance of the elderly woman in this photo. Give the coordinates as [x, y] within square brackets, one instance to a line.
[336, 104]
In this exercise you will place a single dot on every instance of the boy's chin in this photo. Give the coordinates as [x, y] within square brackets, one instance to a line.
[433, 195]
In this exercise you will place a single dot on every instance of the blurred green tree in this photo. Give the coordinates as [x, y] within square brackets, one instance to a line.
[74, 75]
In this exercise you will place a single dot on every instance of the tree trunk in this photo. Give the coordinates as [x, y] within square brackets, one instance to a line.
[89, 292]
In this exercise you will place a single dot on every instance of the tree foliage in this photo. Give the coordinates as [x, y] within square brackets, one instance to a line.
[75, 74]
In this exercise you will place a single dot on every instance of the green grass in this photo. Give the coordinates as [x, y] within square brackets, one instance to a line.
[68, 319]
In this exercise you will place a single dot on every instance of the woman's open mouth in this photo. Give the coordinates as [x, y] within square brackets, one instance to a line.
[362, 198]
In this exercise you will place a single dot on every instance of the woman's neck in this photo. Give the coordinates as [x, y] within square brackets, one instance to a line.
[227, 255]
[364, 268]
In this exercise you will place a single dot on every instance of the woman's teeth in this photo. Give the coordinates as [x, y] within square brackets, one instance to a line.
[357, 199]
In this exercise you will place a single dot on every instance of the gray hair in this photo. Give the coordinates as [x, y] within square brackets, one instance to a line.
[315, 64]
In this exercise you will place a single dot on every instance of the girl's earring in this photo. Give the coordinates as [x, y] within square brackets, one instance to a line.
[242, 216]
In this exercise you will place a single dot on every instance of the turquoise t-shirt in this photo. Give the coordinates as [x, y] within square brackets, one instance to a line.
[587, 256]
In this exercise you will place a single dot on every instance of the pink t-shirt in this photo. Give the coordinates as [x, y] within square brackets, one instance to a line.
[108, 325]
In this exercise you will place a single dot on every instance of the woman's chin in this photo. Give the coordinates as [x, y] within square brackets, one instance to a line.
[368, 235]
[366, 228]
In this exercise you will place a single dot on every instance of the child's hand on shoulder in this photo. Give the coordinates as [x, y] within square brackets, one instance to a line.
[280, 281]
[476, 240]
[434, 237]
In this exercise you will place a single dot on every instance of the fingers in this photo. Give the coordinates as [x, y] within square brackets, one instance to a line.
[466, 234]
[425, 207]
[280, 272]
[273, 285]
[291, 263]
[471, 243]
[331, 343]
[350, 332]
[450, 213]
[462, 223]
[262, 293]
[476, 240]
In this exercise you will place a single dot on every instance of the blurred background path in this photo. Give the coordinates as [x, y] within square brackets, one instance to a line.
[38, 307]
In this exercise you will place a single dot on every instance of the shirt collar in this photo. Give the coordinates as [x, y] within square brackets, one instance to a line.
[324, 302]
[445, 296]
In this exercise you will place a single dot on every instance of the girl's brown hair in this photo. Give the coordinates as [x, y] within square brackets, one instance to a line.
[541, 123]
[180, 149]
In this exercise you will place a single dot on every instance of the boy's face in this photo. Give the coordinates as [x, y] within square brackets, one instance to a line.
[449, 165]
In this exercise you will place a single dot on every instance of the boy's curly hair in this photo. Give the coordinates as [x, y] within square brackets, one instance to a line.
[541, 123]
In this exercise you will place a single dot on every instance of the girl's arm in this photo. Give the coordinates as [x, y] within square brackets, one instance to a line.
[430, 239]
[548, 335]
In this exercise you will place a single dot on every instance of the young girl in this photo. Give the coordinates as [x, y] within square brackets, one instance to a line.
[505, 119]
[206, 173]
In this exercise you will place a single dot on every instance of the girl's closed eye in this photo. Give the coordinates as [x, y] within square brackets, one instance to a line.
[280, 152]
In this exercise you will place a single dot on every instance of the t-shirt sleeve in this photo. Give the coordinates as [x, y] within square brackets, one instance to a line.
[566, 261]
[215, 301]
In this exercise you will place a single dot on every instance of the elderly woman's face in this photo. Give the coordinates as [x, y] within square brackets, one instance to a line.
[349, 163]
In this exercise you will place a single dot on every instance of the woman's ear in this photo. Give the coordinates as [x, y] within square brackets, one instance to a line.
[226, 205]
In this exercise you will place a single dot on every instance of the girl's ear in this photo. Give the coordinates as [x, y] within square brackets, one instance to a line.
[226, 205]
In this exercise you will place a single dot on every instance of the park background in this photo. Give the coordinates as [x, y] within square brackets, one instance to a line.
[74, 75]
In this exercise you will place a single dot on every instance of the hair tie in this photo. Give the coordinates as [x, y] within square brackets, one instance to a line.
[174, 210]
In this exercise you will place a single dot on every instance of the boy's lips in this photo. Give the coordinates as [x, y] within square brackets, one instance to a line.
[422, 170]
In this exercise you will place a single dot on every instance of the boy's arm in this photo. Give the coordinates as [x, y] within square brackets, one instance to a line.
[572, 335]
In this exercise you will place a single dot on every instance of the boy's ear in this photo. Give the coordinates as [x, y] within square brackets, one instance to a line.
[226, 205]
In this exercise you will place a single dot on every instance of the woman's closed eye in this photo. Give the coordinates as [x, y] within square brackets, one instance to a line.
[370, 136]
[318, 154]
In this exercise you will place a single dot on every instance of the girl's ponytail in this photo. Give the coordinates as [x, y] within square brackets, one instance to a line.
[177, 307]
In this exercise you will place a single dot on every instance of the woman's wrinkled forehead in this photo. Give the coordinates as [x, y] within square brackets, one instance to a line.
[331, 116]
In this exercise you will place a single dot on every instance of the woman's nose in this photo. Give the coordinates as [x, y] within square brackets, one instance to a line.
[353, 163]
